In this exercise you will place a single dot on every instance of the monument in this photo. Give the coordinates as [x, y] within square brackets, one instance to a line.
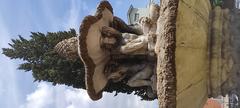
[183, 53]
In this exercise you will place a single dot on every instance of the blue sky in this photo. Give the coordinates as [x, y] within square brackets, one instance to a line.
[20, 17]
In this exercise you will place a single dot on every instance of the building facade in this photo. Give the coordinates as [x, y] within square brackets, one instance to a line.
[135, 13]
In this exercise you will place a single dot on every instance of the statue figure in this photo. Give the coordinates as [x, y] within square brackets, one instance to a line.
[138, 74]
[142, 74]
[112, 51]
[143, 42]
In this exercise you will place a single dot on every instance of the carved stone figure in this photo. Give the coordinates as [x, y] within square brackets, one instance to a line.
[146, 42]
[138, 74]
[135, 40]
[132, 44]
[106, 44]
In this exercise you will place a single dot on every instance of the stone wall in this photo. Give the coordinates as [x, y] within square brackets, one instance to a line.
[221, 53]
[192, 60]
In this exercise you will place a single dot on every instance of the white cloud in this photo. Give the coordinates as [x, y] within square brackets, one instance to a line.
[76, 98]
[41, 98]
[125, 101]
[48, 96]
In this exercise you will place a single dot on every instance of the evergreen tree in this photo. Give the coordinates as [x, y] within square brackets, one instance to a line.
[217, 2]
[47, 65]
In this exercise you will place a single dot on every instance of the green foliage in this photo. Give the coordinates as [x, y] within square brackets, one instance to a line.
[217, 2]
[46, 65]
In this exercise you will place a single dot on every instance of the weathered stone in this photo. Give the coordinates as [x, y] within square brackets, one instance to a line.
[191, 53]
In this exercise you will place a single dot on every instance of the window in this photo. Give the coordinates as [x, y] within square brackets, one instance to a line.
[237, 2]
[136, 16]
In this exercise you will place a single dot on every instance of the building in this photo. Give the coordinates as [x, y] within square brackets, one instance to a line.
[135, 13]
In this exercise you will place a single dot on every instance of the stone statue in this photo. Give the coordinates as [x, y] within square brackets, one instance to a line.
[112, 51]
[142, 74]
[140, 42]
[138, 74]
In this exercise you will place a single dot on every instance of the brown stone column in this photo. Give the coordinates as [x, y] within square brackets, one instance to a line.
[165, 49]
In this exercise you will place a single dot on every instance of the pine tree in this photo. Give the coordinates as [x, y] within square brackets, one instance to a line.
[46, 64]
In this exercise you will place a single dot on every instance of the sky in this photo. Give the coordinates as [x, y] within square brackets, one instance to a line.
[20, 17]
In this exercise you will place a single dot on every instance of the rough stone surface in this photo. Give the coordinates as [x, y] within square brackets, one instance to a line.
[165, 50]
[191, 55]
[221, 53]
[93, 57]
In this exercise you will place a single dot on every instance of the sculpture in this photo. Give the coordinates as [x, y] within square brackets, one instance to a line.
[192, 65]
[112, 51]
[132, 44]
